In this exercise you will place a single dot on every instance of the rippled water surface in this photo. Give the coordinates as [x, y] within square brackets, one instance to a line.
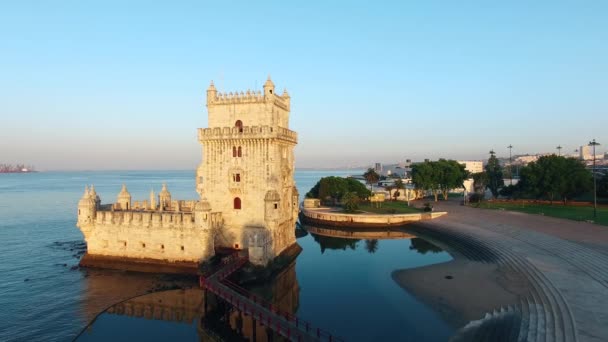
[343, 285]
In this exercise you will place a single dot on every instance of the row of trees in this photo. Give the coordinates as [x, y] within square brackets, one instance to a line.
[439, 176]
[551, 177]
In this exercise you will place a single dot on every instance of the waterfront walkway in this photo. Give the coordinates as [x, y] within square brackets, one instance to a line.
[565, 263]
[285, 324]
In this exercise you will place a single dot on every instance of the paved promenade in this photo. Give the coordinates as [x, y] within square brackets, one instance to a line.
[566, 263]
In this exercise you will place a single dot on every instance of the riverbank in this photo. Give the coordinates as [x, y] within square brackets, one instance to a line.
[332, 217]
[550, 274]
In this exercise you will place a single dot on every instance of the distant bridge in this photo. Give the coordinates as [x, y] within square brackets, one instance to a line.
[285, 324]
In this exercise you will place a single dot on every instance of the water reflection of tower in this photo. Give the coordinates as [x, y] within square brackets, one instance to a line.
[283, 291]
[219, 321]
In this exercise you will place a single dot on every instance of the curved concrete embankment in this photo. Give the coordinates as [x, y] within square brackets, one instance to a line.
[326, 216]
[563, 281]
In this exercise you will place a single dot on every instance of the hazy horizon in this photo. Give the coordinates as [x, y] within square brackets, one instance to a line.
[115, 86]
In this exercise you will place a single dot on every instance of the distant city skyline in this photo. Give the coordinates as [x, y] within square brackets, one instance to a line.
[109, 85]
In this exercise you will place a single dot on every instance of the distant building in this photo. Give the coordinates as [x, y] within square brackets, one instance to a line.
[525, 160]
[378, 167]
[585, 153]
[473, 166]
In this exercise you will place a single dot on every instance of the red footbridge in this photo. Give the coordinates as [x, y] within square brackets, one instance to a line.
[285, 324]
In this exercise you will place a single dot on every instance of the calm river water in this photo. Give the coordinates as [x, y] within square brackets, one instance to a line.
[341, 285]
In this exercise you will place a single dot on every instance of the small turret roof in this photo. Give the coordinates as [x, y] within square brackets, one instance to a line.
[164, 191]
[124, 192]
[211, 86]
[203, 205]
[268, 82]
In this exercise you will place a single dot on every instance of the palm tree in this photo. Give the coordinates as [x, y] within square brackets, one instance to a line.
[399, 186]
[371, 177]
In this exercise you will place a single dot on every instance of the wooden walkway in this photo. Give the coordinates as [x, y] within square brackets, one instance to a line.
[285, 324]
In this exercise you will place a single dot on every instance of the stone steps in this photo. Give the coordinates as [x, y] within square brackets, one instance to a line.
[545, 315]
[592, 262]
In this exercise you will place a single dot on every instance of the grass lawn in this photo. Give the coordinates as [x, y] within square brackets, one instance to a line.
[560, 211]
[396, 207]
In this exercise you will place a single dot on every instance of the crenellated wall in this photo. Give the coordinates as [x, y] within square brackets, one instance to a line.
[248, 132]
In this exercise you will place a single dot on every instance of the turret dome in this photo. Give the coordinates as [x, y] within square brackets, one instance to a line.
[124, 193]
[203, 205]
[272, 195]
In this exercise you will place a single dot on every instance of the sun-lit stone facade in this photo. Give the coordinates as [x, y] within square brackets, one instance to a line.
[247, 172]
[248, 199]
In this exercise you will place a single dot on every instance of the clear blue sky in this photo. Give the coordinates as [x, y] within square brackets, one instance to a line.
[121, 84]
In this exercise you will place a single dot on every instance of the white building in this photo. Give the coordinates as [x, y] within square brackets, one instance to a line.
[473, 166]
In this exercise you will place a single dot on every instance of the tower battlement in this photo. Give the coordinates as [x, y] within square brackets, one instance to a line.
[247, 132]
[250, 107]
[249, 96]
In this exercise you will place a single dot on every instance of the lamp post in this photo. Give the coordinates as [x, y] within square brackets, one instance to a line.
[510, 167]
[559, 150]
[594, 143]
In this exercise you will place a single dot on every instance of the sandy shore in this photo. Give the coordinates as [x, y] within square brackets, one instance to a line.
[462, 290]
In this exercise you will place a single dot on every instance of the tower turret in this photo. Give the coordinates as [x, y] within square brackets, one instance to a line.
[123, 200]
[164, 198]
[94, 196]
[268, 88]
[202, 209]
[86, 208]
[272, 207]
[211, 93]
[152, 200]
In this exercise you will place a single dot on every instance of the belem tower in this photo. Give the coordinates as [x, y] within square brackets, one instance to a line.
[248, 198]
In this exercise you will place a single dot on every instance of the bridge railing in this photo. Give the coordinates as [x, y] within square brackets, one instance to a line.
[233, 263]
[299, 322]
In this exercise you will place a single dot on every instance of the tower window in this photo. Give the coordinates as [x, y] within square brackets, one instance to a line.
[239, 125]
[236, 177]
[276, 206]
[237, 203]
[234, 151]
[271, 91]
[239, 152]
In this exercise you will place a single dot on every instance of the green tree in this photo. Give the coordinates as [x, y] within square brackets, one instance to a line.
[494, 173]
[480, 182]
[450, 175]
[358, 188]
[371, 177]
[333, 188]
[602, 186]
[389, 188]
[350, 202]
[424, 177]
[555, 177]
[399, 186]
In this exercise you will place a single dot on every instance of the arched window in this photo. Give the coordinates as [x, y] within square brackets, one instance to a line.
[239, 125]
[234, 151]
[237, 203]
[239, 152]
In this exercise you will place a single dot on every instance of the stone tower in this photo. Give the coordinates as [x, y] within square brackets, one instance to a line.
[247, 172]
[164, 198]
[87, 209]
[123, 200]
